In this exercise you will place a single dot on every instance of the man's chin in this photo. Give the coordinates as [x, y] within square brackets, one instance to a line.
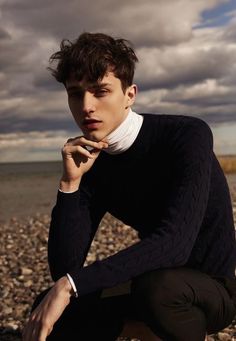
[93, 137]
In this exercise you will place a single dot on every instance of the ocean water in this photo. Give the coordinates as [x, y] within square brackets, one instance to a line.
[28, 188]
[30, 168]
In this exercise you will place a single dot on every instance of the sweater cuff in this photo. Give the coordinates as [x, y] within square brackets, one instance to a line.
[67, 202]
[88, 279]
[67, 196]
[67, 192]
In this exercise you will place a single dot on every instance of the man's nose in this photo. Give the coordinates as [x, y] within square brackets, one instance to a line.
[88, 102]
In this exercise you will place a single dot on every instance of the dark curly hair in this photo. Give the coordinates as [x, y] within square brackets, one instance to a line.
[91, 56]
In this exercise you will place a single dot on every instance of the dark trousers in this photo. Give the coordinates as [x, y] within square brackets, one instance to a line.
[177, 304]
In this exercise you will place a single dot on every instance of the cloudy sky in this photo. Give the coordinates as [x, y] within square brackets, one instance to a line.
[187, 65]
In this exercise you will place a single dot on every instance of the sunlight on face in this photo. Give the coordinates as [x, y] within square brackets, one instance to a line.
[100, 107]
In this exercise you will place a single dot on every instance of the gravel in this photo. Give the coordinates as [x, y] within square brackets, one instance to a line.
[24, 270]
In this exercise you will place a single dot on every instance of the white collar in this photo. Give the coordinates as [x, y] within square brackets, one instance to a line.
[125, 134]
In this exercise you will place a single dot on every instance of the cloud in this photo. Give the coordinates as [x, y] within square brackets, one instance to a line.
[230, 33]
[206, 56]
[157, 69]
[4, 34]
[39, 111]
[203, 94]
[153, 22]
[208, 100]
[193, 78]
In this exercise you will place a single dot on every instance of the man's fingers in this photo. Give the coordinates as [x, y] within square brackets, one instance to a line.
[82, 141]
[69, 150]
[36, 332]
[97, 145]
[44, 333]
[30, 332]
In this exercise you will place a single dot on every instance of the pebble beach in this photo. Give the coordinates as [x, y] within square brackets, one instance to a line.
[27, 198]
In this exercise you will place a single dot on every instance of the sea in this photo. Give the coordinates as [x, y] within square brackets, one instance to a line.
[30, 168]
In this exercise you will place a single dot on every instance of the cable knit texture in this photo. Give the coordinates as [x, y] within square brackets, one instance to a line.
[168, 186]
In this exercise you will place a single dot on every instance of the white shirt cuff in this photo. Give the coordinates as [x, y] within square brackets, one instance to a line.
[72, 283]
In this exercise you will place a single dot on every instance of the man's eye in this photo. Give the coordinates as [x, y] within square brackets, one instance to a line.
[101, 92]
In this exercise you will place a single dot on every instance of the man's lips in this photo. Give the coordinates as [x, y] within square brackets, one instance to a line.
[91, 123]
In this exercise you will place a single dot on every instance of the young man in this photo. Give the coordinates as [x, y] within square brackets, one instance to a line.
[156, 173]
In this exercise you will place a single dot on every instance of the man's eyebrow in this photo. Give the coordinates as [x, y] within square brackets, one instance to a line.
[91, 86]
[98, 85]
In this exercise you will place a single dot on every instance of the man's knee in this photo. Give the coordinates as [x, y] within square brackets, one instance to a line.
[154, 289]
[157, 281]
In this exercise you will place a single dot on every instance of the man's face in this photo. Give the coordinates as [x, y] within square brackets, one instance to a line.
[100, 107]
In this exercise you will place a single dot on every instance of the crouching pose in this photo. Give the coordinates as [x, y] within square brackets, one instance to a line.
[158, 174]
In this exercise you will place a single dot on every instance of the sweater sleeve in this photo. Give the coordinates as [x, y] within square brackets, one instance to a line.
[171, 242]
[71, 232]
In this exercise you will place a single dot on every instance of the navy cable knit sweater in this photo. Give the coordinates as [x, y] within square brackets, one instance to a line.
[169, 187]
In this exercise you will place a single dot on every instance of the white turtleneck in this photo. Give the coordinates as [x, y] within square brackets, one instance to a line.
[125, 134]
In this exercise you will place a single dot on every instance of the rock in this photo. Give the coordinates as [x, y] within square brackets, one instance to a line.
[91, 258]
[7, 311]
[20, 310]
[26, 271]
[12, 325]
[224, 337]
[28, 284]
[209, 338]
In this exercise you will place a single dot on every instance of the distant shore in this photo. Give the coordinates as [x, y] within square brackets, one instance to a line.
[228, 163]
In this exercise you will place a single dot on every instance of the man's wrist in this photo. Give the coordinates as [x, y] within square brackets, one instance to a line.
[69, 186]
[64, 285]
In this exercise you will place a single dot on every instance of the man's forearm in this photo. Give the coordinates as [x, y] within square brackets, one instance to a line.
[71, 232]
[68, 241]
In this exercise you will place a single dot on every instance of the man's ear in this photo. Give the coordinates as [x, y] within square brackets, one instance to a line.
[131, 94]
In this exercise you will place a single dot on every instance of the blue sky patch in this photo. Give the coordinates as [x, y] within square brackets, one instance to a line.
[218, 16]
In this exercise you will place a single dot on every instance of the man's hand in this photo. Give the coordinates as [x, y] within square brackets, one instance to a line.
[77, 160]
[45, 315]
